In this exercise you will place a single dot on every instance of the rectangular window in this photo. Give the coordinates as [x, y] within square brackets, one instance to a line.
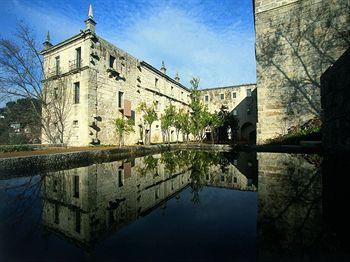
[78, 57]
[156, 82]
[120, 178]
[77, 221]
[157, 193]
[120, 99]
[206, 98]
[111, 61]
[234, 95]
[222, 96]
[75, 123]
[76, 186]
[172, 91]
[182, 95]
[57, 218]
[249, 92]
[133, 116]
[76, 93]
[57, 67]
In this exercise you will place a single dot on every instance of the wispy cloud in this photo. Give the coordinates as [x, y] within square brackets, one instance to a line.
[211, 40]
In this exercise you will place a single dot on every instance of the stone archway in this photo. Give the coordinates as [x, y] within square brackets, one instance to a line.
[248, 132]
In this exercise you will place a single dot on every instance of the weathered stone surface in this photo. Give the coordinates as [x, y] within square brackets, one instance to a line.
[296, 41]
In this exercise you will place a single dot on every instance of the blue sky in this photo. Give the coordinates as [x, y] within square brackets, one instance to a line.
[211, 39]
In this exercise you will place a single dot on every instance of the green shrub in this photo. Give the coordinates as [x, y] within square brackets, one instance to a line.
[14, 148]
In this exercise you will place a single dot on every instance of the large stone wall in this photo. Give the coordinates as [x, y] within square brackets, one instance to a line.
[335, 97]
[296, 41]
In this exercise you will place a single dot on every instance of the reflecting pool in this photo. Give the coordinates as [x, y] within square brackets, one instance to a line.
[174, 206]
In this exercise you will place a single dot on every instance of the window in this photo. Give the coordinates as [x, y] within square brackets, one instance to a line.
[133, 116]
[75, 123]
[57, 68]
[77, 221]
[157, 193]
[172, 90]
[235, 180]
[78, 57]
[182, 95]
[156, 82]
[206, 98]
[234, 95]
[249, 92]
[55, 94]
[120, 178]
[111, 61]
[76, 93]
[235, 112]
[120, 99]
[76, 186]
[57, 218]
[222, 96]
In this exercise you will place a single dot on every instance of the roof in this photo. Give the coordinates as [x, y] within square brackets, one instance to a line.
[227, 87]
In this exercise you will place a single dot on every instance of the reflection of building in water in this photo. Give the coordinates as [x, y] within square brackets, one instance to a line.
[229, 176]
[86, 203]
[289, 203]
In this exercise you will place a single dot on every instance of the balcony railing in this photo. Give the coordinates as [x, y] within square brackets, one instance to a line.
[75, 64]
[51, 72]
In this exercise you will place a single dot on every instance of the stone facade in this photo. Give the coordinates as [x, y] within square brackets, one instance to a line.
[296, 41]
[335, 94]
[240, 100]
[101, 83]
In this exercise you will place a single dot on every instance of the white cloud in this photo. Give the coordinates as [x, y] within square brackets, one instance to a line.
[219, 54]
[221, 57]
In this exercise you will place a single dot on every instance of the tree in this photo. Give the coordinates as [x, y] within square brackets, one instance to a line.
[124, 126]
[149, 116]
[229, 121]
[168, 119]
[296, 51]
[197, 108]
[19, 112]
[22, 75]
[183, 119]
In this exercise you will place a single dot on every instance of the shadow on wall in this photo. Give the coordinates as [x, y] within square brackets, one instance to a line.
[247, 114]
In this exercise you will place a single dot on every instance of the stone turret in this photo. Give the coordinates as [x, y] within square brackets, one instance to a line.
[177, 78]
[163, 69]
[90, 23]
[47, 44]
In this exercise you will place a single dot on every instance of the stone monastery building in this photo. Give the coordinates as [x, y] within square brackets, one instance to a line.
[102, 82]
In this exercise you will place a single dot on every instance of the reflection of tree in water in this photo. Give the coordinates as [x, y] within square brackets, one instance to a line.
[150, 164]
[24, 194]
[201, 161]
[289, 203]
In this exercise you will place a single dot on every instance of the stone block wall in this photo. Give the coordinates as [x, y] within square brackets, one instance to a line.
[335, 98]
[296, 41]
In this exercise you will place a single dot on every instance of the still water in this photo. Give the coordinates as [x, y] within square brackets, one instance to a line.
[174, 206]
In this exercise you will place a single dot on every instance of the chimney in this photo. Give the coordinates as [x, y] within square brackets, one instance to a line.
[163, 69]
[47, 44]
[177, 78]
[90, 23]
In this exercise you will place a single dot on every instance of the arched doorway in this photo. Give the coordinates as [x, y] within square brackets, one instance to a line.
[248, 133]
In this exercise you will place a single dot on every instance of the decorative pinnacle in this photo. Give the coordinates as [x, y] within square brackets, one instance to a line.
[90, 15]
[163, 65]
[47, 37]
